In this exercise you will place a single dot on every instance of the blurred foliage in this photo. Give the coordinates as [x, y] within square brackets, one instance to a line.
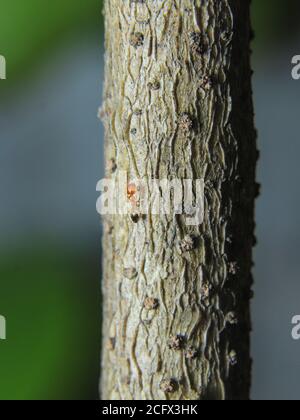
[30, 29]
[274, 22]
[51, 304]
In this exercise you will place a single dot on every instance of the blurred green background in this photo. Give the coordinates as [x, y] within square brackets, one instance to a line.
[49, 272]
[50, 160]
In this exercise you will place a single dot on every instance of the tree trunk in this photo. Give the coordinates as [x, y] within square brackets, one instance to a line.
[177, 105]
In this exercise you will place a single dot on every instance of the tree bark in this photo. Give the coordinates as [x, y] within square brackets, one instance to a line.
[178, 104]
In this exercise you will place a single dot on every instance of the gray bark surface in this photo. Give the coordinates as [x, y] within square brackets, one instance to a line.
[178, 104]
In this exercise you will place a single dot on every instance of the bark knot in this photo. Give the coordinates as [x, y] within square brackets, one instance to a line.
[187, 244]
[154, 85]
[207, 83]
[136, 39]
[176, 342]
[168, 386]
[111, 166]
[186, 123]
[151, 303]
[191, 353]
[130, 273]
[197, 44]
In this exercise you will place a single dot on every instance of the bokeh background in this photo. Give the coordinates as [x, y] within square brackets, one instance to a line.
[51, 156]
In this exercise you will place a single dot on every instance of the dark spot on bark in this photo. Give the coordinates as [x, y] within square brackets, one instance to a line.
[225, 36]
[126, 380]
[136, 39]
[186, 123]
[154, 85]
[135, 218]
[112, 166]
[151, 303]
[197, 43]
[169, 386]
[176, 342]
[205, 291]
[111, 343]
[188, 243]
[109, 228]
[206, 83]
[191, 353]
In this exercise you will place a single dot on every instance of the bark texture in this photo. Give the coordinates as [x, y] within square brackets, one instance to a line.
[177, 104]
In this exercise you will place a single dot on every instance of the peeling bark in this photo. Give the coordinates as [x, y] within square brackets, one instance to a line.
[177, 104]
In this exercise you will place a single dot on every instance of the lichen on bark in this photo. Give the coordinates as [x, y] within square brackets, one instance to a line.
[177, 104]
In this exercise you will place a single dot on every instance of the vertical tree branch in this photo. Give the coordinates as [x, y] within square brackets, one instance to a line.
[178, 105]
